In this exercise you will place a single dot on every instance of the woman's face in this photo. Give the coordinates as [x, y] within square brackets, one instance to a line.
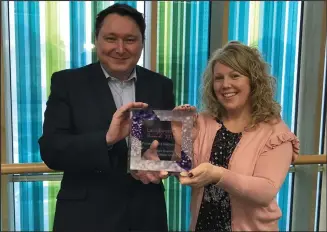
[232, 89]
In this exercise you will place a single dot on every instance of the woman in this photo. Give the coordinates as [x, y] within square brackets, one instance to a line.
[242, 148]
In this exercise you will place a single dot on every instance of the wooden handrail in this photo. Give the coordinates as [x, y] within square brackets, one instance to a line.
[25, 168]
[311, 159]
[42, 168]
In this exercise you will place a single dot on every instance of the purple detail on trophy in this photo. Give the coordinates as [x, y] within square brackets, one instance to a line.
[185, 162]
[137, 121]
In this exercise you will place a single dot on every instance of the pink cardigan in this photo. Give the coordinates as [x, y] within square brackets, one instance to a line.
[257, 169]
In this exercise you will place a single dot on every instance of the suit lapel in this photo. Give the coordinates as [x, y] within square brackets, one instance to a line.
[141, 85]
[100, 88]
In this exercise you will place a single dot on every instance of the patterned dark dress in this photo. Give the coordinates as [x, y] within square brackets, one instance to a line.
[215, 210]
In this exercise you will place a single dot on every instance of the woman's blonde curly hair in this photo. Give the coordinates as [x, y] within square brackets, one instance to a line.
[248, 62]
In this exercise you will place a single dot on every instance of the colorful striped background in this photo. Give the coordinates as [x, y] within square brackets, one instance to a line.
[273, 27]
[50, 36]
[182, 54]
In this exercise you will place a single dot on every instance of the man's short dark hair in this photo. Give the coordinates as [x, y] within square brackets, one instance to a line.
[122, 10]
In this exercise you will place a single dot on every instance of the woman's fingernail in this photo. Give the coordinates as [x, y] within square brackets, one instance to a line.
[183, 174]
[190, 174]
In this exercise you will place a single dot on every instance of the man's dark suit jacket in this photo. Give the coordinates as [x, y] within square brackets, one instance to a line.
[96, 192]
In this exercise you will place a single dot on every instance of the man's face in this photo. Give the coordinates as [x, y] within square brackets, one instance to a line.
[119, 45]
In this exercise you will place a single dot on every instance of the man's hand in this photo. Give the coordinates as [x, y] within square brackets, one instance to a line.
[120, 124]
[150, 176]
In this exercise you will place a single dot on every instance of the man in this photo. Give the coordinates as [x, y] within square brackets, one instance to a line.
[96, 192]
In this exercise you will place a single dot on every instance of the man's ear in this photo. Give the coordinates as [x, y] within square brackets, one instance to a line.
[95, 41]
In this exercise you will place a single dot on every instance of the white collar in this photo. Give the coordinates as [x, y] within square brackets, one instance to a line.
[131, 76]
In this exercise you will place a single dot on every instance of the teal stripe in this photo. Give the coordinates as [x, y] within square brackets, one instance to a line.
[192, 54]
[267, 30]
[180, 34]
[202, 53]
[176, 33]
[29, 113]
[275, 51]
[239, 18]
[244, 9]
[186, 54]
[290, 57]
[77, 34]
[232, 21]
[130, 3]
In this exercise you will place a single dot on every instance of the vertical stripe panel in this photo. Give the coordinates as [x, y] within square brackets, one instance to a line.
[77, 33]
[174, 29]
[265, 44]
[160, 39]
[244, 8]
[14, 105]
[273, 27]
[96, 7]
[56, 59]
[239, 17]
[185, 21]
[183, 29]
[202, 50]
[272, 48]
[187, 53]
[232, 21]
[173, 209]
[168, 35]
[290, 61]
[29, 106]
[191, 56]
[182, 55]
[254, 23]
[55, 47]
[130, 3]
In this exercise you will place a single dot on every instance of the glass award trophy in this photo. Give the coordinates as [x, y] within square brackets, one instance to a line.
[173, 152]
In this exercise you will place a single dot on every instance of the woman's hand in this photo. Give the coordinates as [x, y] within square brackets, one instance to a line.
[177, 126]
[120, 124]
[202, 175]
